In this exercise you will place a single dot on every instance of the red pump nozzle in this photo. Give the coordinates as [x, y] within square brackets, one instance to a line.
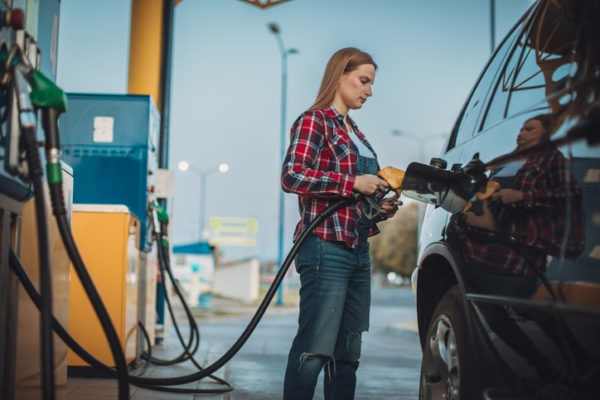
[14, 19]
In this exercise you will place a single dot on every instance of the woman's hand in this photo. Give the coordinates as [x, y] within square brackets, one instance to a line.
[389, 206]
[507, 196]
[484, 221]
[369, 184]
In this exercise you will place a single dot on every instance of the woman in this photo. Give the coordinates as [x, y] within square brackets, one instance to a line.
[329, 159]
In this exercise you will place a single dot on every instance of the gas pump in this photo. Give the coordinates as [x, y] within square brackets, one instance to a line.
[110, 142]
[20, 59]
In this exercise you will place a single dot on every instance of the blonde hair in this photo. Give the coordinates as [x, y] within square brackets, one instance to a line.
[341, 62]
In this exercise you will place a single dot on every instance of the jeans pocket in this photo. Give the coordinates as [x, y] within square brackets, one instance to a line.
[309, 254]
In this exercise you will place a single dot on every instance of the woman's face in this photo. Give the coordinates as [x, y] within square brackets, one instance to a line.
[355, 86]
[531, 134]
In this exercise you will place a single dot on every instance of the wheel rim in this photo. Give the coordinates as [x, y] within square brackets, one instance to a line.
[441, 378]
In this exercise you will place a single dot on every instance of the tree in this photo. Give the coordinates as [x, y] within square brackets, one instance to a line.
[395, 248]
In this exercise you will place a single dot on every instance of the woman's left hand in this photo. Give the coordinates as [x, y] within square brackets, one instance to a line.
[389, 206]
[507, 196]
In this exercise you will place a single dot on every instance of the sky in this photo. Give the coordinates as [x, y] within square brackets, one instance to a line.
[226, 87]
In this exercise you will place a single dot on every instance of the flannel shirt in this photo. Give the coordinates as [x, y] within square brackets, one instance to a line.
[548, 219]
[319, 167]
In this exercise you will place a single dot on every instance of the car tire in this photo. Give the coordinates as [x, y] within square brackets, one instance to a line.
[447, 358]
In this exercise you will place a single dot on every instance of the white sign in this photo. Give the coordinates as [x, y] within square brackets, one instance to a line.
[232, 231]
[104, 129]
[234, 225]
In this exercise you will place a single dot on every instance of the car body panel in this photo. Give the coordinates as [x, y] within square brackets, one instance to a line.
[547, 69]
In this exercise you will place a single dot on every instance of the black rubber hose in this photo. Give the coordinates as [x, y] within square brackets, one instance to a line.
[172, 381]
[148, 383]
[57, 200]
[47, 348]
[265, 302]
[35, 297]
[139, 371]
[119, 358]
[50, 123]
[194, 333]
[96, 301]
[165, 267]
[215, 366]
[194, 340]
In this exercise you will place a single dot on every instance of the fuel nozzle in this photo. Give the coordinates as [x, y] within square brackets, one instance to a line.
[450, 189]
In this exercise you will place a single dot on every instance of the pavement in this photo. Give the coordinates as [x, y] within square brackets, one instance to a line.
[389, 364]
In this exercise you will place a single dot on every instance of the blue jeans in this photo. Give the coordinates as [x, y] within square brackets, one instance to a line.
[335, 297]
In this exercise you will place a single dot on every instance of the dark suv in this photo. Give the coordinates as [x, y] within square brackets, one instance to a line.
[508, 276]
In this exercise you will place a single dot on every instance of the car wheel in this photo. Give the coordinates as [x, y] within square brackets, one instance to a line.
[446, 363]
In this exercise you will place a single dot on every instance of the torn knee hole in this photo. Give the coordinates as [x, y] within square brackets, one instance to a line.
[325, 360]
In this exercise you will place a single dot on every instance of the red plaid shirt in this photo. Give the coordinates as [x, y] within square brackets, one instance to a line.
[547, 220]
[320, 168]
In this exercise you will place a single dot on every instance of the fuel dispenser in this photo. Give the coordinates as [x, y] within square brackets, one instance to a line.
[107, 237]
[110, 142]
[28, 36]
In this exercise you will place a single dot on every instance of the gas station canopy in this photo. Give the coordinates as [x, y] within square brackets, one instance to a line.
[264, 3]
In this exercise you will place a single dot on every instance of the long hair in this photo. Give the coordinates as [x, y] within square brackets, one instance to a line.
[341, 62]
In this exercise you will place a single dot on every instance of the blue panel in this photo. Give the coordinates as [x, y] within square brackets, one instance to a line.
[115, 172]
[135, 119]
[193, 248]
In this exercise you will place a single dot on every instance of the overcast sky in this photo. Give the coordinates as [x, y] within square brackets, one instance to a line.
[226, 98]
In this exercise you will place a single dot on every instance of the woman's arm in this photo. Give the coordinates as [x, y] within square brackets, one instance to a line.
[304, 169]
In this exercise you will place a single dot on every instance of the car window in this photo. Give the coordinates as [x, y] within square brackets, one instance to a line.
[470, 115]
[535, 73]
[496, 112]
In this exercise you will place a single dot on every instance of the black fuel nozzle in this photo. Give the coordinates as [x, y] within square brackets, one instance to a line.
[471, 178]
[448, 189]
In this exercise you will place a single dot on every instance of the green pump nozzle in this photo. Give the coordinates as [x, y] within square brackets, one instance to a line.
[45, 93]
[162, 215]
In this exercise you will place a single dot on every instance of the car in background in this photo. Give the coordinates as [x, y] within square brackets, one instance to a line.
[488, 340]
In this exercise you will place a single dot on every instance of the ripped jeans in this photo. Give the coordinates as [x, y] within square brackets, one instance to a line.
[335, 297]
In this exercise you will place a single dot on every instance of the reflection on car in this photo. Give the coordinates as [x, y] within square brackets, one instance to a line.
[508, 276]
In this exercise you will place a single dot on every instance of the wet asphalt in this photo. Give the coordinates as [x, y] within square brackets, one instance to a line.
[389, 366]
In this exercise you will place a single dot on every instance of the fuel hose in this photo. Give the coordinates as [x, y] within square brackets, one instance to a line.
[50, 123]
[47, 349]
[54, 177]
[156, 383]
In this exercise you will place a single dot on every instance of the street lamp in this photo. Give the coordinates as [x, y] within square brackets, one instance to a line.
[202, 173]
[274, 29]
[421, 140]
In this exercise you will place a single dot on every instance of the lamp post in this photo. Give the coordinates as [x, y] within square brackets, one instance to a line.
[202, 173]
[274, 29]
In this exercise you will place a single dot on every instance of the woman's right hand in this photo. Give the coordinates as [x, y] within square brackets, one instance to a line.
[369, 184]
